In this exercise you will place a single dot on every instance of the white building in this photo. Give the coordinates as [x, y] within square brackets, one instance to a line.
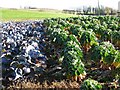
[119, 8]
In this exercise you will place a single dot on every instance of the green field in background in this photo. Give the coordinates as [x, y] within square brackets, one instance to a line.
[26, 14]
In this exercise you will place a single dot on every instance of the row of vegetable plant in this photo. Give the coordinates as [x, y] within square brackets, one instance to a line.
[76, 38]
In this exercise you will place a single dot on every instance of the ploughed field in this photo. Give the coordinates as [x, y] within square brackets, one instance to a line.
[77, 52]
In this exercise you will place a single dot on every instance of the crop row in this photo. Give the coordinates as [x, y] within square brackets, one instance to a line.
[83, 40]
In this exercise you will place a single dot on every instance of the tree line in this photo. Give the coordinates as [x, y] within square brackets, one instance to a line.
[92, 11]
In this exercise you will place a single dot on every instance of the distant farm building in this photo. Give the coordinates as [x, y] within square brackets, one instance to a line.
[119, 8]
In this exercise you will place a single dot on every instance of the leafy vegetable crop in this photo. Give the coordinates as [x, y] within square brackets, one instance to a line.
[91, 84]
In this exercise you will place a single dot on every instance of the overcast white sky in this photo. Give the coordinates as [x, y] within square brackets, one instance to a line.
[57, 4]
